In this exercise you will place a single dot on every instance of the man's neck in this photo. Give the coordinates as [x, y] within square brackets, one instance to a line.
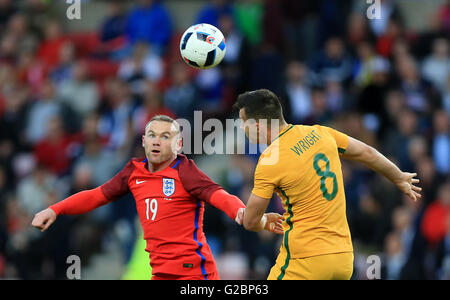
[276, 132]
[161, 166]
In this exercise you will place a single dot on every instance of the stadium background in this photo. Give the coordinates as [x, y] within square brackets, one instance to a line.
[75, 94]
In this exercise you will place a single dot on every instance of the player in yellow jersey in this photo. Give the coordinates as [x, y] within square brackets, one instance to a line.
[302, 165]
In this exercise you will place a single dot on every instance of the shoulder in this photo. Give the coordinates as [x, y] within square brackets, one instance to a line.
[321, 130]
[118, 185]
[188, 170]
[131, 164]
[184, 164]
[195, 181]
[269, 160]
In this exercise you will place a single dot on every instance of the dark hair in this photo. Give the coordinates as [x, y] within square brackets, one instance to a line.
[260, 104]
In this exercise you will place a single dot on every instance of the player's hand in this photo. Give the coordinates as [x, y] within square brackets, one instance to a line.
[240, 216]
[274, 223]
[43, 219]
[406, 185]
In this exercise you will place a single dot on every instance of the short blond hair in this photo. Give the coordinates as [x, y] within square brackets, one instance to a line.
[163, 118]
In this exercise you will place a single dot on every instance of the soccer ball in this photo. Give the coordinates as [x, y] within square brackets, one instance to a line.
[202, 46]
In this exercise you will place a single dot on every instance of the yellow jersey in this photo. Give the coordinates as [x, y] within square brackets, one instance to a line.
[303, 167]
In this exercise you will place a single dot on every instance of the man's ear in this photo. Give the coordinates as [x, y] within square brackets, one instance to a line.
[179, 144]
[143, 144]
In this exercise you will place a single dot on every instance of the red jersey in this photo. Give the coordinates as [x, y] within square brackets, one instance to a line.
[170, 204]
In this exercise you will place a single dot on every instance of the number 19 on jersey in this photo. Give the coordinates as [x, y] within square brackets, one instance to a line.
[152, 206]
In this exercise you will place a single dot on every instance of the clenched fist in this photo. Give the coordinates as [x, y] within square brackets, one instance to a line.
[43, 219]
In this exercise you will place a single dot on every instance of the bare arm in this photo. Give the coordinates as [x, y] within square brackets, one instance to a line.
[256, 220]
[361, 152]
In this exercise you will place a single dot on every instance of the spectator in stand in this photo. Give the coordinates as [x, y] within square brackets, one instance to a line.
[371, 99]
[436, 215]
[152, 106]
[297, 93]
[143, 65]
[385, 42]
[115, 118]
[337, 98]
[332, 62]
[443, 256]
[236, 63]
[273, 25]
[390, 12]
[55, 151]
[50, 48]
[114, 24]
[79, 92]
[181, 96]
[358, 30]
[149, 22]
[300, 19]
[43, 109]
[248, 15]
[30, 70]
[18, 27]
[368, 64]
[8, 49]
[12, 118]
[210, 87]
[397, 140]
[64, 69]
[7, 9]
[393, 104]
[441, 142]
[211, 12]
[430, 180]
[101, 163]
[417, 148]
[419, 93]
[395, 257]
[444, 16]
[266, 60]
[37, 191]
[436, 67]
[319, 111]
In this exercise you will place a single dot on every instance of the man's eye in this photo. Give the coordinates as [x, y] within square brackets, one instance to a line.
[164, 137]
[151, 135]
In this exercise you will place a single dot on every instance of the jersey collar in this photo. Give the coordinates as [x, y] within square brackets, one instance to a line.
[288, 127]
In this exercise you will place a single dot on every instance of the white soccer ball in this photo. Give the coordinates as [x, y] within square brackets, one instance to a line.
[202, 46]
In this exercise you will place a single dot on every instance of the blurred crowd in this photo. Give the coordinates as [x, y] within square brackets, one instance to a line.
[73, 105]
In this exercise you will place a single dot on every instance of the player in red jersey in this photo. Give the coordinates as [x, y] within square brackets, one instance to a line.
[170, 194]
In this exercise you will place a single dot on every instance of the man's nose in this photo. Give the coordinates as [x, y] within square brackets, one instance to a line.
[156, 141]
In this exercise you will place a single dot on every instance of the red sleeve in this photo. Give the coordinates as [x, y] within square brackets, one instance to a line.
[89, 200]
[80, 203]
[201, 187]
[117, 186]
[227, 203]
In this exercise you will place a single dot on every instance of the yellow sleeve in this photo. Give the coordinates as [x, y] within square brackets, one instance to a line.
[340, 138]
[265, 181]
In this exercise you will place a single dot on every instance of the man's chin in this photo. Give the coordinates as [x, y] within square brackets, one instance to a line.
[157, 158]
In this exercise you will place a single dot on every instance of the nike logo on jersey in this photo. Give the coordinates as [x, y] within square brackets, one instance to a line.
[139, 182]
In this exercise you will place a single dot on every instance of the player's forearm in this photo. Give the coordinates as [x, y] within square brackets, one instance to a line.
[80, 203]
[380, 164]
[254, 217]
[226, 202]
[255, 224]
